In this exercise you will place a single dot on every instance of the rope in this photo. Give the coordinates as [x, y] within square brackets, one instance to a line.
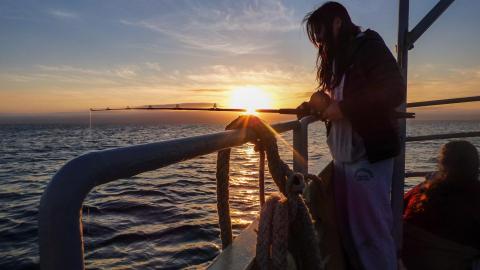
[223, 206]
[284, 215]
[261, 179]
[223, 179]
[285, 220]
[262, 256]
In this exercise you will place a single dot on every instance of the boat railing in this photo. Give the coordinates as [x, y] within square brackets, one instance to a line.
[60, 227]
[241, 253]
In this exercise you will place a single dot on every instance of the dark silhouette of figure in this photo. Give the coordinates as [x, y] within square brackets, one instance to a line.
[362, 79]
[446, 209]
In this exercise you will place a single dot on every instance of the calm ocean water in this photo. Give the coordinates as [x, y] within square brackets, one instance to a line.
[165, 219]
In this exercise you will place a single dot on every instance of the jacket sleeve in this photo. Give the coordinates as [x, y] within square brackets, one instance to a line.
[385, 87]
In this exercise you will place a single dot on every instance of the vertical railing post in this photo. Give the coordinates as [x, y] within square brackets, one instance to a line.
[399, 166]
[300, 148]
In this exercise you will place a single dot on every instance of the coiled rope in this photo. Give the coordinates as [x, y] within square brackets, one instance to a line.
[285, 221]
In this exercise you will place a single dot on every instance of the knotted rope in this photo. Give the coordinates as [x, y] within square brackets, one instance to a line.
[281, 215]
[285, 221]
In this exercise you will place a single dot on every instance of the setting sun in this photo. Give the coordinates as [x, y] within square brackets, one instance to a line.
[250, 98]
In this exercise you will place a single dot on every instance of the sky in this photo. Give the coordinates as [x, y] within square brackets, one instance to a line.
[69, 56]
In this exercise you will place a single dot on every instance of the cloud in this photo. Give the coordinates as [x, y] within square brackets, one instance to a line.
[66, 74]
[252, 16]
[442, 81]
[63, 14]
[203, 39]
[125, 71]
[209, 91]
[67, 68]
[259, 75]
[154, 66]
[234, 27]
[151, 82]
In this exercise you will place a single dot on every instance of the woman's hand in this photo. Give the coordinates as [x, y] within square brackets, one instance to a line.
[303, 110]
[332, 112]
[263, 130]
[319, 102]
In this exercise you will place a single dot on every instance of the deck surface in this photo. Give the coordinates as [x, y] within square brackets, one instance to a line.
[241, 253]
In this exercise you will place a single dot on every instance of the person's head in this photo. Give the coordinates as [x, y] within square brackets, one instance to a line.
[458, 161]
[330, 29]
[458, 164]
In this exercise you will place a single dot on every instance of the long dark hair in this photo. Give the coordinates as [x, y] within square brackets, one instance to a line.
[328, 75]
[458, 165]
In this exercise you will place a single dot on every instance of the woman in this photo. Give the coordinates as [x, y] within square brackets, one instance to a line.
[442, 214]
[359, 73]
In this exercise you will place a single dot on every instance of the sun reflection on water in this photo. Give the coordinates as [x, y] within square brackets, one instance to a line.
[249, 151]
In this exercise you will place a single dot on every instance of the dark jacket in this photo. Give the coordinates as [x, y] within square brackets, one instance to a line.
[449, 211]
[373, 88]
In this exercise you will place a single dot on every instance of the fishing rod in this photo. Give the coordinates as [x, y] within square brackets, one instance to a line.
[214, 108]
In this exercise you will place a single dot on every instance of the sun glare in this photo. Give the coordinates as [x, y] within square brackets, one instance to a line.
[250, 98]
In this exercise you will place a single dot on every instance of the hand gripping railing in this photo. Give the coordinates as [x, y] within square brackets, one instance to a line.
[60, 228]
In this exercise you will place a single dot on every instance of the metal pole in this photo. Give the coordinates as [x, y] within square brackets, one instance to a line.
[427, 21]
[399, 165]
[300, 145]
[443, 101]
[299, 155]
[444, 136]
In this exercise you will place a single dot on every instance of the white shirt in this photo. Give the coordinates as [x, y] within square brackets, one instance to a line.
[344, 143]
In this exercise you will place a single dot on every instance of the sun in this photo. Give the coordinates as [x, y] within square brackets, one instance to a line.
[250, 98]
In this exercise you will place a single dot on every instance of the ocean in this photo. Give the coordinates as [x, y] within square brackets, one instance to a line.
[164, 219]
